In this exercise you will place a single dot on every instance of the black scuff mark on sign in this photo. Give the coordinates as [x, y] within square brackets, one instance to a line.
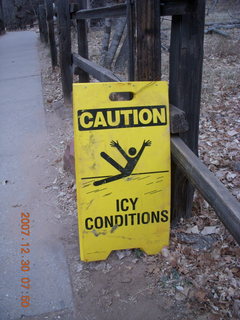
[97, 234]
[153, 192]
[98, 190]
[142, 178]
[114, 228]
[107, 194]
[87, 184]
[89, 204]
[122, 237]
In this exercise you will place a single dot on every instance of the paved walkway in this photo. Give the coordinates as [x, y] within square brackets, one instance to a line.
[24, 174]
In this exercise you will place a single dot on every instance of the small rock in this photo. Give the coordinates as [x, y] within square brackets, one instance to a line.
[79, 267]
[135, 260]
[194, 230]
[100, 266]
[215, 308]
[61, 194]
[232, 133]
[107, 268]
[123, 253]
[215, 162]
[179, 288]
[230, 176]
[165, 252]
[209, 230]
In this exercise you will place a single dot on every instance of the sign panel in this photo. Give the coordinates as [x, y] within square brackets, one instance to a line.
[122, 160]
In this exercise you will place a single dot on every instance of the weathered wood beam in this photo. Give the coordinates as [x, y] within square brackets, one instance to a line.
[98, 72]
[222, 201]
[131, 40]
[82, 37]
[51, 35]
[178, 122]
[65, 57]
[117, 10]
[186, 57]
[170, 8]
[167, 8]
[43, 23]
[39, 23]
[148, 40]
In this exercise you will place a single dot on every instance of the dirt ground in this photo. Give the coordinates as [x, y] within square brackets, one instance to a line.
[197, 277]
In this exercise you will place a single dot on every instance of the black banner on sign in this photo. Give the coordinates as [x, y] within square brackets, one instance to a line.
[115, 118]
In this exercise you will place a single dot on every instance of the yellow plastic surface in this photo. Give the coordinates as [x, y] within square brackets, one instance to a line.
[122, 160]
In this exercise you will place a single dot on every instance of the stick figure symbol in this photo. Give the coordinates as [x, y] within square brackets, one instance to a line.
[132, 160]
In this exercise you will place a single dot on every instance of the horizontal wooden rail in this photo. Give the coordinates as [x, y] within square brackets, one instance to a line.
[167, 8]
[117, 10]
[225, 205]
[100, 73]
[176, 8]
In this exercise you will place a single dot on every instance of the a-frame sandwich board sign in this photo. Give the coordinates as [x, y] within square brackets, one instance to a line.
[122, 160]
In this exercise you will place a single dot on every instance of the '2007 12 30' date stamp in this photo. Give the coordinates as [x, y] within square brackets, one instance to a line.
[25, 265]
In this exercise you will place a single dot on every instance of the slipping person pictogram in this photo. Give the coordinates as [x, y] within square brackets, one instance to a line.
[132, 160]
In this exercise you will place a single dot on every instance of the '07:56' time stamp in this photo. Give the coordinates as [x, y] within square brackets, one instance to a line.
[25, 266]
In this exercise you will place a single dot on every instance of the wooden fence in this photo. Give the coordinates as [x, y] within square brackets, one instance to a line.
[144, 63]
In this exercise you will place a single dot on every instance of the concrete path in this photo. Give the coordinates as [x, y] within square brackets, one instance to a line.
[24, 174]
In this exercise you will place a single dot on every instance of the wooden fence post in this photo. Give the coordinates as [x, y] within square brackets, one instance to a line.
[186, 56]
[65, 54]
[43, 23]
[40, 23]
[82, 41]
[131, 40]
[51, 36]
[146, 14]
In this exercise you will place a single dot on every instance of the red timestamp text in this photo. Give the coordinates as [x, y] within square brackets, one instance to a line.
[25, 264]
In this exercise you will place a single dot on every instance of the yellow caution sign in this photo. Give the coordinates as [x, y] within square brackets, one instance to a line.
[122, 159]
